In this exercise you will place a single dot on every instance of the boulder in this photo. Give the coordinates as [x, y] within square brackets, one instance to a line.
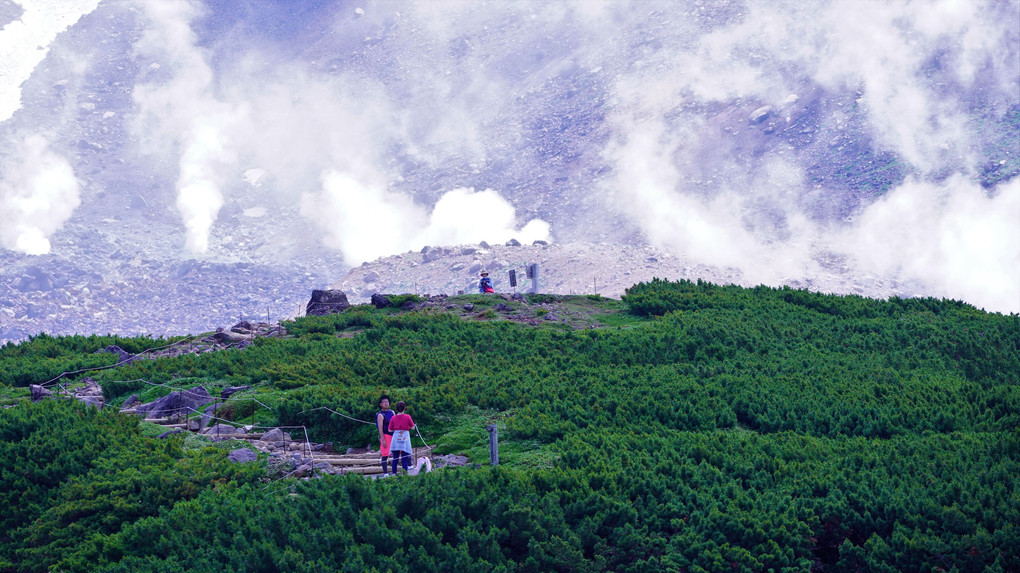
[380, 301]
[759, 115]
[123, 357]
[227, 337]
[242, 456]
[228, 392]
[453, 460]
[409, 305]
[243, 325]
[430, 254]
[38, 392]
[177, 402]
[540, 242]
[131, 402]
[325, 302]
[169, 433]
[274, 435]
[469, 307]
[513, 243]
[222, 430]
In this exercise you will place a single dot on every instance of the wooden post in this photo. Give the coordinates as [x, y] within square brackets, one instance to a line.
[493, 444]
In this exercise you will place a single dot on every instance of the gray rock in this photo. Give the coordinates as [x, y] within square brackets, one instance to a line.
[513, 243]
[228, 392]
[451, 460]
[759, 115]
[325, 302]
[222, 430]
[227, 336]
[409, 305]
[484, 245]
[458, 267]
[242, 456]
[243, 325]
[370, 277]
[131, 401]
[123, 357]
[473, 269]
[502, 308]
[469, 307]
[169, 433]
[380, 301]
[540, 242]
[468, 251]
[177, 402]
[38, 392]
[274, 435]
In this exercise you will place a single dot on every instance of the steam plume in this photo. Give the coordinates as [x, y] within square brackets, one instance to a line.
[38, 192]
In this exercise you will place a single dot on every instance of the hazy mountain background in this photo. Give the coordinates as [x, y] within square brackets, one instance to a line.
[167, 165]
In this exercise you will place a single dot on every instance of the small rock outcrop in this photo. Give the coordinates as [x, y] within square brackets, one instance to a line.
[39, 392]
[123, 357]
[274, 435]
[325, 302]
[91, 393]
[228, 392]
[380, 301]
[222, 430]
[177, 402]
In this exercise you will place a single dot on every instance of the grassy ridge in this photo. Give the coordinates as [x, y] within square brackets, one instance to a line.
[709, 428]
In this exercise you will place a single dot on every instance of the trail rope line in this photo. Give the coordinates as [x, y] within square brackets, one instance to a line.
[417, 429]
[338, 414]
[120, 363]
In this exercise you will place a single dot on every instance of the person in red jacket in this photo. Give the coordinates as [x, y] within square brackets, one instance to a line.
[400, 447]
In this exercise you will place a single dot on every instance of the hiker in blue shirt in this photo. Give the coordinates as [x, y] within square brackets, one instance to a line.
[382, 422]
[485, 285]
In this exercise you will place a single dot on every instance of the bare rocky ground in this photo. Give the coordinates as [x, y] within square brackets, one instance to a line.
[125, 283]
[134, 291]
[573, 268]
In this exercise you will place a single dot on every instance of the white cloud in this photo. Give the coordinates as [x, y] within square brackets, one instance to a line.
[38, 192]
[366, 221]
[956, 238]
[184, 114]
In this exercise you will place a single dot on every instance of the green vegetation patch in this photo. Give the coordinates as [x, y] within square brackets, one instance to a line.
[703, 428]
